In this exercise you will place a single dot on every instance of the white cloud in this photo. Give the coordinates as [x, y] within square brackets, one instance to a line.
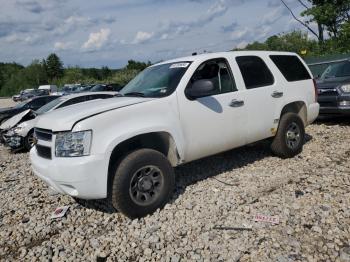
[26, 39]
[274, 15]
[242, 44]
[97, 40]
[62, 45]
[250, 34]
[170, 30]
[142, 37]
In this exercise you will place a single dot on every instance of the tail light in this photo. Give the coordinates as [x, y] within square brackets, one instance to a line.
[315, 89]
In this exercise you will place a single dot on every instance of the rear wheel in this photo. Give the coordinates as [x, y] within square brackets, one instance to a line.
[290, 136]
[29, 141]
[143, 182]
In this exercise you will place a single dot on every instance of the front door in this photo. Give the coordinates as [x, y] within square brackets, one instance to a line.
[214, 123]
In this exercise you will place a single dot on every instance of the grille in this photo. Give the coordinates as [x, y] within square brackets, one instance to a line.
[43, 134]
[327, 104]
[328, 92]
[44, 151]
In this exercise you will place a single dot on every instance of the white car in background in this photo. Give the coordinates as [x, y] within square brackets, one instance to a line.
[21, 126]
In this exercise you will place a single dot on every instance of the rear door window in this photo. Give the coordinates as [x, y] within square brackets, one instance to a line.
[291, 67]
[254, 71]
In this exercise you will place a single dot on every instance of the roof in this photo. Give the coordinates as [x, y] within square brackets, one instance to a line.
[206, 56]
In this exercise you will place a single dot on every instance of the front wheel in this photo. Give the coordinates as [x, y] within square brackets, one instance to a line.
[143, 182]
[29, 141]
[290, 136]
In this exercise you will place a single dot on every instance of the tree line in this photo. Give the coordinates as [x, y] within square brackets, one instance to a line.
[332, 35]
[15, 77]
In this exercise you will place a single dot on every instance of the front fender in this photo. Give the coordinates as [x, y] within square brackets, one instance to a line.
[129, 135]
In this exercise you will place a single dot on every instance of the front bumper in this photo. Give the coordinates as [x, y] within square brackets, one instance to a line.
[81, 177]
[312, 112]
[13, 141]
[334, 102]
[341, 111]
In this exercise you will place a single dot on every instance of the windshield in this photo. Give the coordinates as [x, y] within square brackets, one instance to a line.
[98, 88]
[50, 105]
[20, 105]
[156, 81]
[337, 70]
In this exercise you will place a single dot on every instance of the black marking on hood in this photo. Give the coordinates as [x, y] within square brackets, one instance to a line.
[105, 112]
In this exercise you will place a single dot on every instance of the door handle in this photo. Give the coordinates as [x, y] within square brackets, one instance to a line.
[277, 94]
[236, 103]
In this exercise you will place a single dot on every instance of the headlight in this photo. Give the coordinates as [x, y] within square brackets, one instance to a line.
[70, 144]
[17, 129]
[345, 88]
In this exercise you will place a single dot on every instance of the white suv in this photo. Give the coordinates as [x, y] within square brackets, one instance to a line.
[124, 148]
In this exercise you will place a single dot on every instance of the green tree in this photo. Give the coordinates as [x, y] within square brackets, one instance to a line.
[7, 72]
[105, 72]
[54, 67]
[132, 64]
[331, 14]
[295, 41]
[35, 73]
[256, 46]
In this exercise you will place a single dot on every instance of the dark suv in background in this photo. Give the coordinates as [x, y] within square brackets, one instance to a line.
[334, 89]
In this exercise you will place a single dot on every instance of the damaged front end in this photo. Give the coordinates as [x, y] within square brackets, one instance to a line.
[13, 140]
[10, 131]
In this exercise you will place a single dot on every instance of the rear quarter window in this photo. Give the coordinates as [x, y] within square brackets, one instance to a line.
[291, 67]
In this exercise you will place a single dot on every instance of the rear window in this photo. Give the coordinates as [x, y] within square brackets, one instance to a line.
[291, 67]
[254, 71]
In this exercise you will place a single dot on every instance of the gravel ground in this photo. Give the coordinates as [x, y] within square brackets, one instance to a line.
[210, 217]
[6, 102]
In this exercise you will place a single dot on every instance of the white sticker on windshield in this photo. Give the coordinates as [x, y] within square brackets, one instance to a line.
[179, 65]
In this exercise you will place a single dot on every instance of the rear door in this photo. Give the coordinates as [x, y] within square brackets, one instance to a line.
[261, 97]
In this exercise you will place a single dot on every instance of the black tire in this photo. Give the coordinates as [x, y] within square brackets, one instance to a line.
[285, 145]
[132, 183]
[28, 141]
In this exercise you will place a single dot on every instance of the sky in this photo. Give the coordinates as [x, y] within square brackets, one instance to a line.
[111, 32]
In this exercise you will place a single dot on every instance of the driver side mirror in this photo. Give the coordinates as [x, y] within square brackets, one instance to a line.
[201, 88]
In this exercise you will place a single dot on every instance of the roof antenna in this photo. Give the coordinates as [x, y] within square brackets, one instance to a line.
[195, 53]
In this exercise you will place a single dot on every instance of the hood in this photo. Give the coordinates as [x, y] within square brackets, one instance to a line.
[15, 120]
[332, 82]
[64, 119]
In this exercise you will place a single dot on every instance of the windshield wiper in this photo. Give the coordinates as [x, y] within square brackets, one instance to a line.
[138, 94]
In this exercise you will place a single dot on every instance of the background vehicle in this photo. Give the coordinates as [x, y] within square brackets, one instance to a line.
[33, 103]
[21, 134]
[49, 88]
[334, 89]
[29, 93]
[178, 111]
[106, 87]
[17, 98]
